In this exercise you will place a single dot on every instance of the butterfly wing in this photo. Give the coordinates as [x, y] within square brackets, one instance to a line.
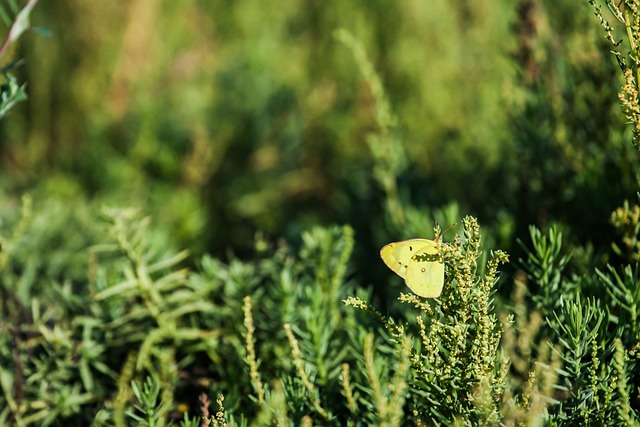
[425, 271]
[397, 255]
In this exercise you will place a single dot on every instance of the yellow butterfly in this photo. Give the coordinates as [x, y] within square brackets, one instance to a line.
[418, 262]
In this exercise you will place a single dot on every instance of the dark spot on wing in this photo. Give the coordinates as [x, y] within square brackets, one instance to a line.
[425, 257]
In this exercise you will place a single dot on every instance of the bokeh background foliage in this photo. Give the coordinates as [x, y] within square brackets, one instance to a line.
[178, 98]
[238, 126]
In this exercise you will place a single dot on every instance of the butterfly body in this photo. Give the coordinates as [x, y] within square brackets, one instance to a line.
[418, 262]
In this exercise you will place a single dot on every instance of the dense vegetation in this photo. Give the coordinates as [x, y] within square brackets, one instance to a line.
[194, 195]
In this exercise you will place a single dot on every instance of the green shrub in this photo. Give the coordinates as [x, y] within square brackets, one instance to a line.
[104, 322]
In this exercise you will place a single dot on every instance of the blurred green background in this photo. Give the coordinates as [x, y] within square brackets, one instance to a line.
[229, 118]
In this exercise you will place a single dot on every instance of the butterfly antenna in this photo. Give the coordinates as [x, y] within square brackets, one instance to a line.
[450, 227]
[439, 233]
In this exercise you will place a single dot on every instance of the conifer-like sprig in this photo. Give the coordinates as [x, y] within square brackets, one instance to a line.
[528, 366]
[388, 398]
[251, 352]
[605, 24]
[625, 413]
[395, 329]
[347, 389]
[626, 219]
[302, 373]
[220, 419]
[629, 99]
[626, 12]
[168, 298]
[204, 408]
